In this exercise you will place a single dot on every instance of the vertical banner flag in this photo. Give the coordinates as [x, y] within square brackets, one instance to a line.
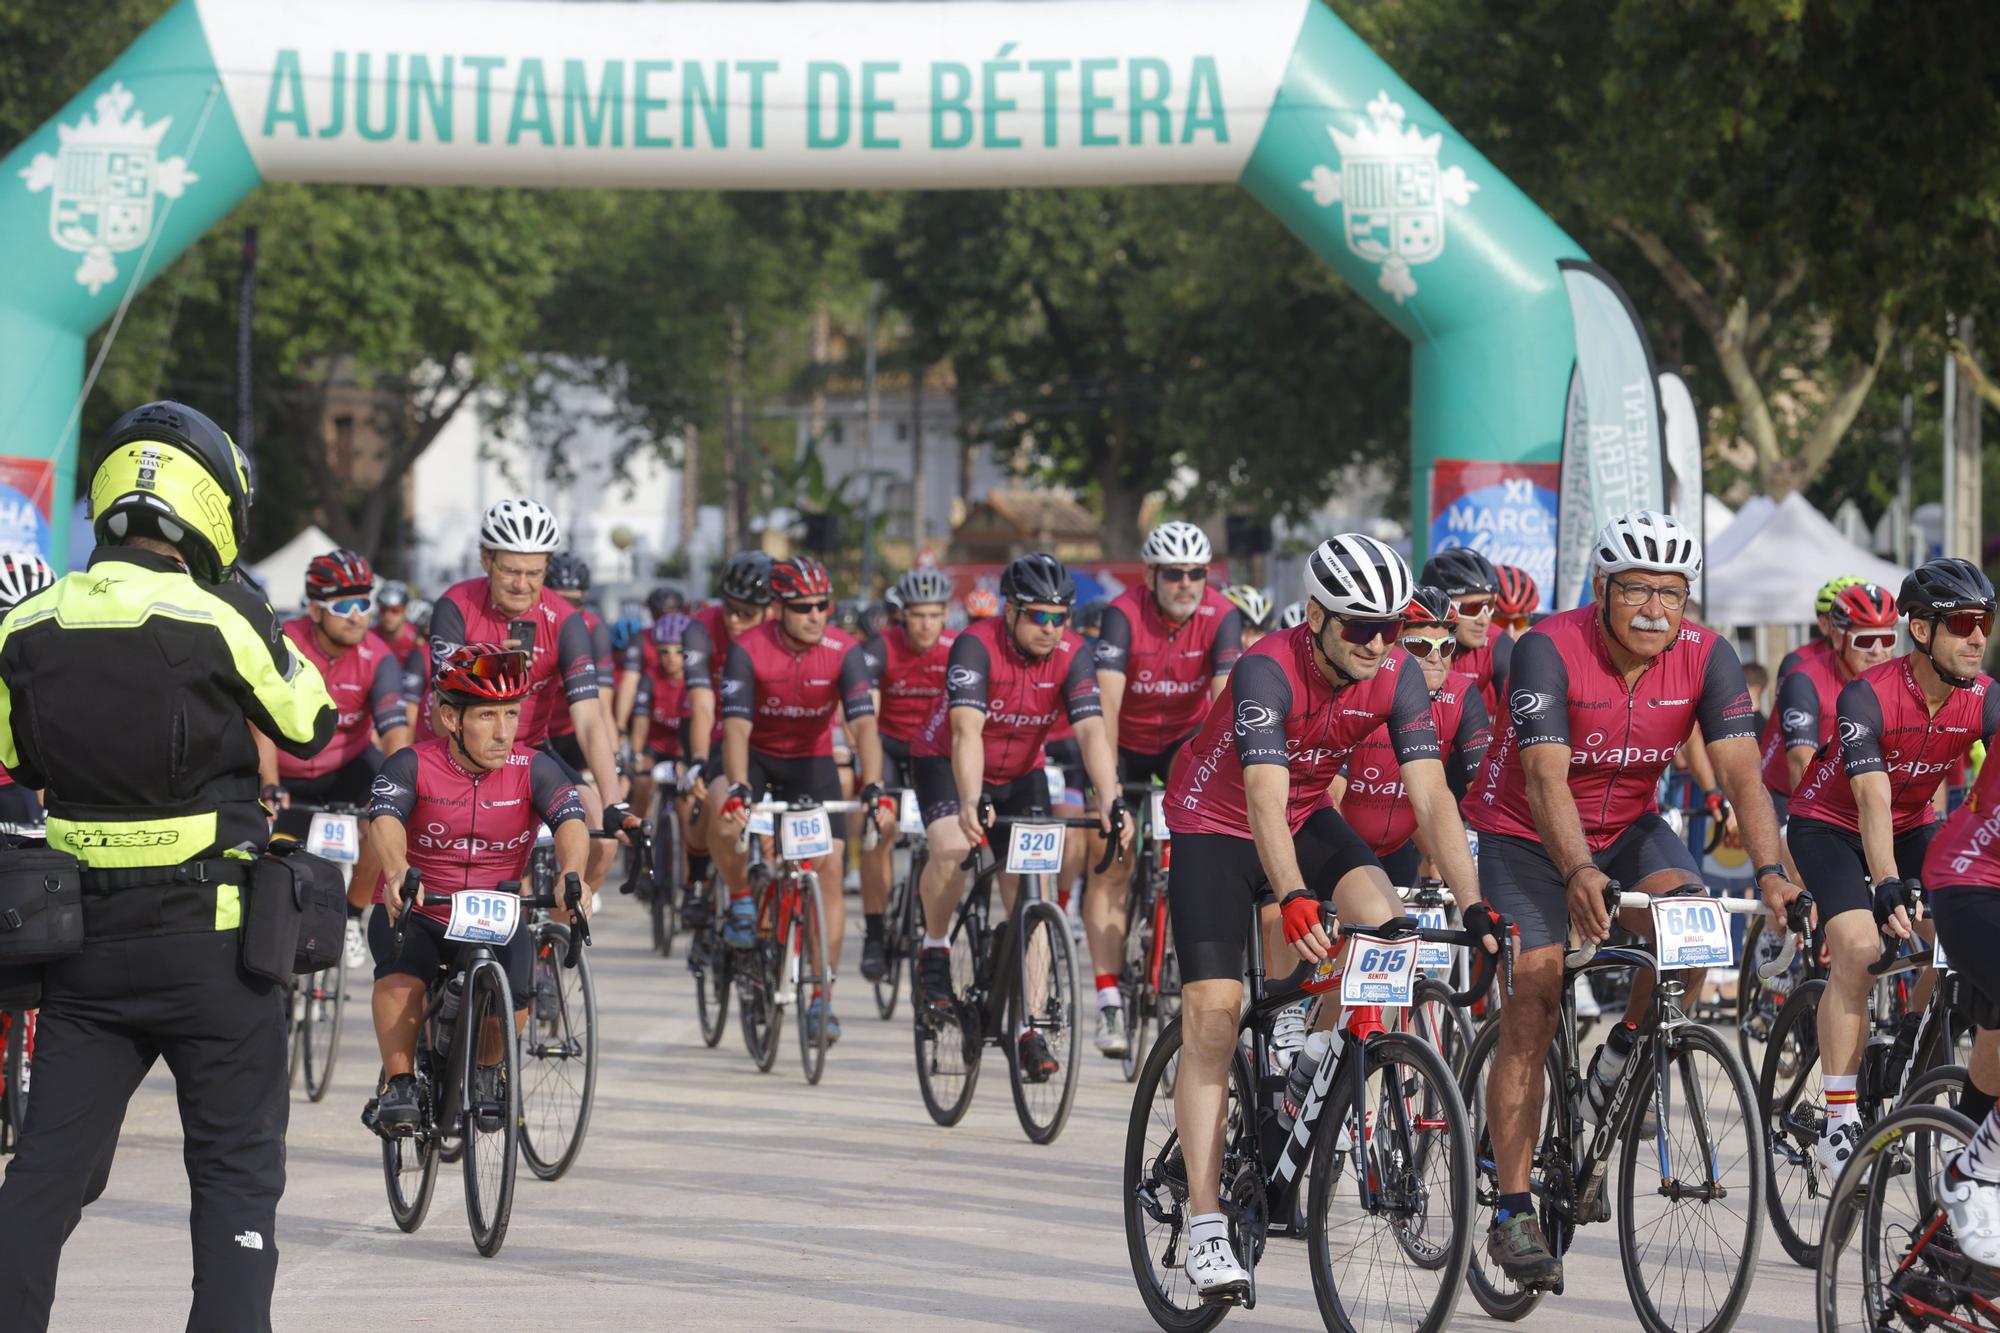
[1505, 511]
[26, 487]
[1685, 491]
[1613, 448]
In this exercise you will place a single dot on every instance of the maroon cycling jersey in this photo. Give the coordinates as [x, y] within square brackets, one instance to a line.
[1021, 697]
[467, 829]
[1883, 724]
[659, 701]
[1279, 709]
[1966, 847]
[1489, 665]
[1807, 696]
[402, 640]
[563, 670]
[704, 648]
[911, 682]
[1563, 690]
[1798, 657]
[562, 724]
[788, 694]
[366, 683]
[1168, 668]
[1375, 804]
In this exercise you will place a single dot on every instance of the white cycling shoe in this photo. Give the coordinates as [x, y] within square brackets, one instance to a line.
[1288, 1036]
[356, 944]
[1212, 1267]
[1835, 1147]
[1973, 1209]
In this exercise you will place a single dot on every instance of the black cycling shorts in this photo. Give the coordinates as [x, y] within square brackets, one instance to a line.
[1401, 865]
[570, 750]
[1067, 754]
[1968, 921]
[426, 952]
[896, 770]
[1836, 874]
[1520, 879]
[937, 792]
[1217, 879]
[811, 778]
[1135, 767]
[19, 806]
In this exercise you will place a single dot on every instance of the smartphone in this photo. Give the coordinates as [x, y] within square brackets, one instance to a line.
[523, 633]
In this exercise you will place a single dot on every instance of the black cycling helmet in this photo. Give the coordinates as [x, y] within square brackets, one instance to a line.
[568, 572]
[747, 578]
[1939, 587]
[1038, 577]
[1461, 572]
[664, 599]
[1089, 617]
[1430, 606]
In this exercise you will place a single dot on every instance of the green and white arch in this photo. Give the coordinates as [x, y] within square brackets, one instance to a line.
[1278, 95]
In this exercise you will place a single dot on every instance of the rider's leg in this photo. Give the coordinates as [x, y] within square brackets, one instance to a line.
[1104, 918]
[1852, 943]
[732, 863]
[943, 881]
[832, 903]
[1514, 1090]
[399, 1010]
[1209, 1014]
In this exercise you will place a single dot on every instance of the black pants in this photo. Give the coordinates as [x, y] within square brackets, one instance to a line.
[106, 1015]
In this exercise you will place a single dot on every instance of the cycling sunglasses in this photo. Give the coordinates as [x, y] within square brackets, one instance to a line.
[1177, 574]
[492, 666]
[1361, 632]
[1517, 622]
[1960, 624]
[808, 608]
[1421, 648]
[1882, 639]
[1047, 619]
[349, 606]
[1473, 607]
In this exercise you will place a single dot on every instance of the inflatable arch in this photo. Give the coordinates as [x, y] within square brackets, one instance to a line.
[1277, 95]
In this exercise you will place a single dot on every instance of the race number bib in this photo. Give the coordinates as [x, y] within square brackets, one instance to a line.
[1036, 849]
[1057, 784]
[1161, 833]
[336, 837]
[805, 834]
[1691, 932]
[482, 917]
[1432, 957]
[910, 818]
[1380, 972]
[760, 822]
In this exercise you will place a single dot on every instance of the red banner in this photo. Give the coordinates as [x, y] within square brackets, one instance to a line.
[26, 487]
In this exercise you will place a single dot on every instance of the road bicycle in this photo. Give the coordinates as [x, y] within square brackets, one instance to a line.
[1374, 1138]
[660, 890]
[903, 916]
[1014, 985]
[1682, 1118]
[1149, 974]
[318, 1001]
[1435, 1014]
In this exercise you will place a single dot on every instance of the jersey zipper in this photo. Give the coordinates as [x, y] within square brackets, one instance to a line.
[1611, 782]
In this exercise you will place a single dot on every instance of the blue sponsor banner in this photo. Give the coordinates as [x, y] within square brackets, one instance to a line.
[1505, 511]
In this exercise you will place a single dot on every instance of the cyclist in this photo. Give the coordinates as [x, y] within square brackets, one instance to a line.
[1009, 678]
[1821, 642]
[1373, 800]
[1249, 811]
[1565, 804]
[462, 809]
[569, 579]
[22, 575]
[1861, 634]
[1862, 812]
[516, 540]
[742, 604]
[1515, 599]
[657, 708]
[910, 660]
[1473, 585]
[1256, 610]
[981, 604]
[392, 617]
[780, 686]
[1293, 615]
[1165, 649]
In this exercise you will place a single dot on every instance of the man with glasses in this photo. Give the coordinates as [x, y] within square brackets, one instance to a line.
[780, 685]
[1821, 643]
[366, 683]
[1009, 677]
[1163, 651]
[1861, 625]
[1249, 812]
[1862, 812]
[743, 602]
[1601, 697]
[1371, 796]
[1484, 653]
[569, 579]
[392, 617]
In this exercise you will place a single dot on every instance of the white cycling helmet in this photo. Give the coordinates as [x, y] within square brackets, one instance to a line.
[521, 526]
[1649, 540]
[1356, 576]
[1177, 543]
[22, 575]
[1295, 614]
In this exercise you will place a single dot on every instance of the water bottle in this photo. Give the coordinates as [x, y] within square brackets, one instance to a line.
[454, 993]
[1304, 1068]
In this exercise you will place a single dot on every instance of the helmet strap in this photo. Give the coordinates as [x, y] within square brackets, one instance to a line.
[1320, 650]
[1930, 653]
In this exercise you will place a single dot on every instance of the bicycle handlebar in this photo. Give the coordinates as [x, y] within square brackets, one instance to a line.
[1797, 917]
[1485, 964]
[1113, 849]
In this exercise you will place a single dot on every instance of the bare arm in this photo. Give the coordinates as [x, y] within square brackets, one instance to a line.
[594, 737]
[736, 749]
[1111, 690]
[1878, 829]
[390, 840]
[621, 703]
[701, 721]
[1742, 782]
[1100, 761]
[1266, 793]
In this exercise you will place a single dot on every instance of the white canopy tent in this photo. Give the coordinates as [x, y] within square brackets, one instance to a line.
[283, 572]
[1776, 559]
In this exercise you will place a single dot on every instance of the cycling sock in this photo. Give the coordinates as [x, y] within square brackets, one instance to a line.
[936, 942]
[1975, 1105]
[742, 897]
[1981, 1158]
[697, 867]
[1840, 1108]
[1107, 988]
[1108, 997]
[871, 926]
[1207, 1226]
[1512, 1205]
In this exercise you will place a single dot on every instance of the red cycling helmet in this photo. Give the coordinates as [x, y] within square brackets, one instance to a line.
[1517, 594]
[981, 604]
[1429, 606]
[799, 578]
[1863, 606]
[338, 572]
[482, 673]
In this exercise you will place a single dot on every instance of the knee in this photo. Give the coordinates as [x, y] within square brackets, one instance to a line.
[1849, 954]
[1208, 1024]
[947, 843]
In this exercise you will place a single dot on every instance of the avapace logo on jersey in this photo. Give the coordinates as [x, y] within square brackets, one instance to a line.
[1146, 684]
[768, 707]
[437, 837]
[996, 711]
[1370, 782]
[1617, 756]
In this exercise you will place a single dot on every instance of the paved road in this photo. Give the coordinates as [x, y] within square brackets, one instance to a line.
[709, 1193]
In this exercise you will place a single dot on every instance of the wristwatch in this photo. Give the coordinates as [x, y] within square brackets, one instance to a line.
[1773, 869]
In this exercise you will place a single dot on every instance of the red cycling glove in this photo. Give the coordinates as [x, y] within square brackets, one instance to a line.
[1301, 913]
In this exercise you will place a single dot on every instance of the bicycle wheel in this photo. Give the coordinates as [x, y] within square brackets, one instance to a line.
[665, 906]
[1941, 1087]
[1888, 1261]
[1044, 1002]
[1168, 999]
[491, 1093]
[1758, 1000]
[558, 1056]
[410, 1162]
[814, 980]
[902, 936]
[949, 1037]
[759, 974]
[1690, 1176]
[1156, 1188]
[1793, 1115]
[322, 1003]
[1395, 1261]
[1499, 1295]
[710, 962]
[1438, 1021]
[1135, 982]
